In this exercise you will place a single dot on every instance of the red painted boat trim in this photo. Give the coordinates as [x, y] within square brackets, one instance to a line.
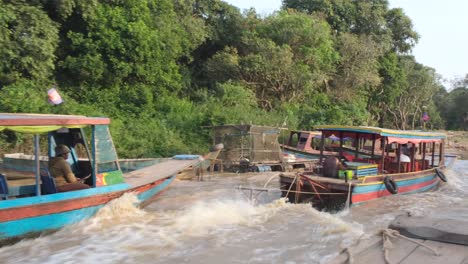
[49, 120]
[357, 198]
[12, 214]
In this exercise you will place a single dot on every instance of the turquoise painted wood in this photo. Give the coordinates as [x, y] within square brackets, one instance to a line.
[45, 222]
[144, 196]
[58, 220]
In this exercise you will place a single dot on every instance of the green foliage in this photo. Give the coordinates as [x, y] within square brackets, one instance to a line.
[28, 39]
[12, 98]
[123, 43]
[308, 37]
[320, 109]
[453, 106]
[165, 70]
[416, 93]
[280, 58]
[403, 36]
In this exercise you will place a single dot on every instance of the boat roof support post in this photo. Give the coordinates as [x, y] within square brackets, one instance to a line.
[423, 156]
[384, 146]
[399, 157]
[322, 145]
[413, 157]
[441, 154]
[373, 146]
[93, 153]
[433, 154]
[357, 142]
[37, 164]
[341, 145]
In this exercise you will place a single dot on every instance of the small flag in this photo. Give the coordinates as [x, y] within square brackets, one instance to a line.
[54, 97]
[425, 117]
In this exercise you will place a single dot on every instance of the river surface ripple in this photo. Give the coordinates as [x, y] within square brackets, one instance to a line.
[214, 222]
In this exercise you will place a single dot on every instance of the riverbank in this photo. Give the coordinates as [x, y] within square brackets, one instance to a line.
[457, 143]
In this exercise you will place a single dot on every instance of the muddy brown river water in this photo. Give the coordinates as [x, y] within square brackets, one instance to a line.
[214, 222]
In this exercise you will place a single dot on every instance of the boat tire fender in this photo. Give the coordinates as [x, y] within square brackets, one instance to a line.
[391, 185]
[441, 175]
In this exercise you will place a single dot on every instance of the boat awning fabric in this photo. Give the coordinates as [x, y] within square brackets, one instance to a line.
[37, 129]
[411, 140]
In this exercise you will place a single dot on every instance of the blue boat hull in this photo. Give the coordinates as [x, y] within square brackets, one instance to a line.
[26, 216]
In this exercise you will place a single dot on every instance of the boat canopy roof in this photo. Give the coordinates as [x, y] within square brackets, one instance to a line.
[42, 123]
[394, 136]
[306, 132]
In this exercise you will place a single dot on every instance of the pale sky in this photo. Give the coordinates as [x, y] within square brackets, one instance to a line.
[442, 25]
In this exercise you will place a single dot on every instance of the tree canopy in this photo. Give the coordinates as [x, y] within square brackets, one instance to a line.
[164, 69]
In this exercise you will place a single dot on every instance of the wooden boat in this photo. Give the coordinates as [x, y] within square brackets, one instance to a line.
[374, 169]
[26, 209]
[306, 144]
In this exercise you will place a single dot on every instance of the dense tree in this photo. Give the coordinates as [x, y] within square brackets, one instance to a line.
[162, 69]
[416, 94]
[383, 96]
[28, 40]
[281, 59]
[368, 17]
[453, 105]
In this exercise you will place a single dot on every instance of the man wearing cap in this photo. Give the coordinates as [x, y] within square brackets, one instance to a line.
[62, 172]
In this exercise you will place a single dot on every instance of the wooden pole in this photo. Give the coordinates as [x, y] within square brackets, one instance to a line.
[413, 152]
[341, 144]
[357, 145]
[37, 164]
[322, 145]
[398, 157]
[424, 156]
[433, 154]
[373, 146]
[441, 154]
[384, 146]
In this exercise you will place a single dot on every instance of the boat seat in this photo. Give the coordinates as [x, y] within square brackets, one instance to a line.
[3, 187]
[48, 182]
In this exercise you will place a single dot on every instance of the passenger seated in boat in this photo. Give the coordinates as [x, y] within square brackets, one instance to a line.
[404, 158]
[331, 166]
[406, 153]
[62, 172]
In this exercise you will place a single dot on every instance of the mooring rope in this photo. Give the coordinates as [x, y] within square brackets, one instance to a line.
[292, 183]
[387, 244]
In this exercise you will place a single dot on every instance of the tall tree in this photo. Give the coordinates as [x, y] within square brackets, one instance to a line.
[421, 85]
